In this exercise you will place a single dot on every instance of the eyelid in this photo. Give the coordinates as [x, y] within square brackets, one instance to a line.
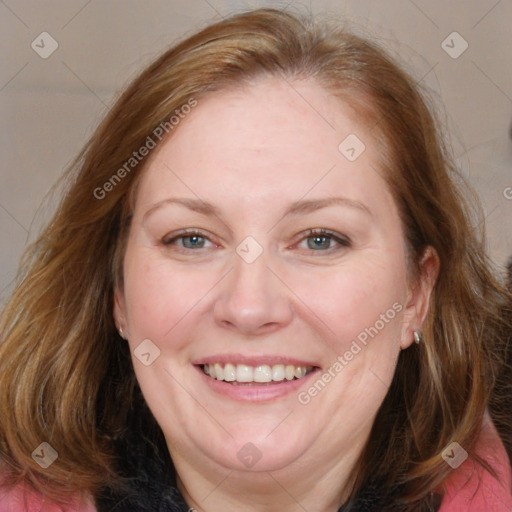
[328, 232]
[342, 240]
[171, 237]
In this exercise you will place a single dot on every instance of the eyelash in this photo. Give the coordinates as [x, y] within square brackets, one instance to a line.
[343, 241]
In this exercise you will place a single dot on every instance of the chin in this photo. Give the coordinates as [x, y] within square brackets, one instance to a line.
[257, 451]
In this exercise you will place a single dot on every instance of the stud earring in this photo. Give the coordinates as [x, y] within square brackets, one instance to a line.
[121, 333]
[418, 337]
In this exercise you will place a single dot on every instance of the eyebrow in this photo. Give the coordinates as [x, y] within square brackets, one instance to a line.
[196, 205]
[297, 208]
[311, 205]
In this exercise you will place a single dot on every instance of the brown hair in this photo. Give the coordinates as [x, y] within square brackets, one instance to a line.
[63, 369]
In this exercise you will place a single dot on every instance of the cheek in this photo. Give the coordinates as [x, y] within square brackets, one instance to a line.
[363, 312]
[161, 297]
[362, 298]
[142, 289]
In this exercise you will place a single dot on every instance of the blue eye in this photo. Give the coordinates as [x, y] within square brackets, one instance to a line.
[322, 240]
[194, 241]
[318, 240]
[189, 240]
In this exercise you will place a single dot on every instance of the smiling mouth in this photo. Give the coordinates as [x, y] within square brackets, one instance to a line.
[244, 375]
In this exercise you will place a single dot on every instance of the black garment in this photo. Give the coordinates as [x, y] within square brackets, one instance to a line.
[144, 462]
[152, 485]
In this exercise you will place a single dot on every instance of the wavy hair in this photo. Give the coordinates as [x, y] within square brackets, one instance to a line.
[65, 376]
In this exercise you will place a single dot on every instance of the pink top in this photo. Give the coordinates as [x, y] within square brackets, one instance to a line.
[469, 488]
[22, 499]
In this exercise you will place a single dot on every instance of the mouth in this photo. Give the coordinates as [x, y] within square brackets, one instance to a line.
[238, 374]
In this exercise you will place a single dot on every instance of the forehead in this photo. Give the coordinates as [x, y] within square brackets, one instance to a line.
[272, 138]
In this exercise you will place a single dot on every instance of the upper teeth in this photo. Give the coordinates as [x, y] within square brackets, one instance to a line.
[263, 373]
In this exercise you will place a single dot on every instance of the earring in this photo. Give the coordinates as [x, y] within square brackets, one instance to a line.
[418, 337]
[121, 333]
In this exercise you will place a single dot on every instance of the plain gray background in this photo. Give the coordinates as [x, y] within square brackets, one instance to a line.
[49, 107]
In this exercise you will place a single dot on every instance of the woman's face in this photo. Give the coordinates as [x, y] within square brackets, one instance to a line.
[265, 244]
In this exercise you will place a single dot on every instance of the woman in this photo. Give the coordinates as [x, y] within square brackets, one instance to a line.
[262, 290]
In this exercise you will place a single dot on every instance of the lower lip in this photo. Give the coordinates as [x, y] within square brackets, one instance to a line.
[256, 393]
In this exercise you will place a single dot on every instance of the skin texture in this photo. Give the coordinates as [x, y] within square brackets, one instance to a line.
[252, 152]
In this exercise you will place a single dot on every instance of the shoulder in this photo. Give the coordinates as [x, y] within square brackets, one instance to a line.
[23, 499]
[470, 488]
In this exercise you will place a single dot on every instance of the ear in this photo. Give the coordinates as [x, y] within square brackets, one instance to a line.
[418, 296]
[119, 310]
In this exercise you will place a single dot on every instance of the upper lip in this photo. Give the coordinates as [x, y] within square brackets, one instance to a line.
[259, 360]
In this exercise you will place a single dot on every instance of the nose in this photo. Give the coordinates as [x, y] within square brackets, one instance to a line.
[253, 300]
